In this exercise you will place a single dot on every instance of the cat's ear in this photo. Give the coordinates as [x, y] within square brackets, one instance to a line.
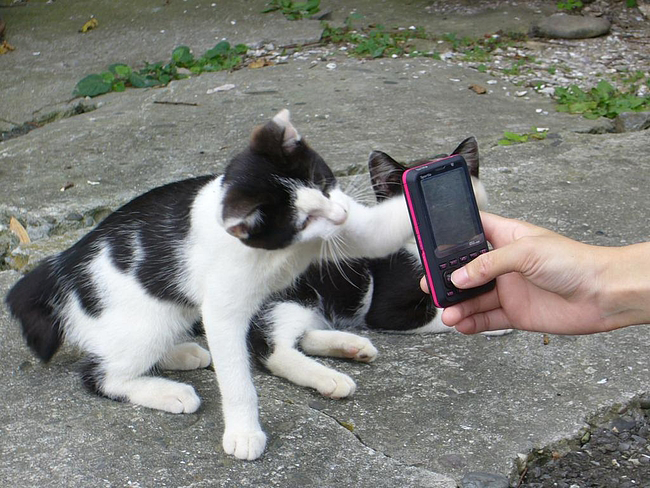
[290, 136]
[241, 214]
[385, 175]
[468, 149]
[277, 137]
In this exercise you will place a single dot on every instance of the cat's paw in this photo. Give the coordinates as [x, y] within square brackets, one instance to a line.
[186, 356]
[335, 385]
[360, 350]
[178, 398]
[247, 445]
[338, 344]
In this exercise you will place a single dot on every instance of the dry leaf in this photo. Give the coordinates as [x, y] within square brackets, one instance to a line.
[18, 229]
[260, 63]
[547, 339]
[91, 24]
[478, 89]
[5, 47]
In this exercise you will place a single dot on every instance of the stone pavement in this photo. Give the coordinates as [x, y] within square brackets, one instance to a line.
[431, 408]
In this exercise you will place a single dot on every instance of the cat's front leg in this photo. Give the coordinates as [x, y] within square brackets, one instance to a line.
[377, 231]
[226, 330]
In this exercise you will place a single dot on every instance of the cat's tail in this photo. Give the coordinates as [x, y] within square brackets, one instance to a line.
[31, 302]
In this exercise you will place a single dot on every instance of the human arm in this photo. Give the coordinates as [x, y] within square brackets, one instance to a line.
[550, 283]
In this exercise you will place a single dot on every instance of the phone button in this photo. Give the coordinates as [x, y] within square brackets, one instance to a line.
[443, 266]
[473, 255]
[463, 259]
[453, 262]
[447, 276]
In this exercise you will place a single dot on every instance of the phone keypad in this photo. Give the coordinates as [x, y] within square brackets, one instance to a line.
[452, 265]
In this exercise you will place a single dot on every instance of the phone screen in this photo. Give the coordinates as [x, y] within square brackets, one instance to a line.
[449, 206]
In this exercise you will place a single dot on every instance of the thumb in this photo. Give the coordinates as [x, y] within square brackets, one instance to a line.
[488, 266]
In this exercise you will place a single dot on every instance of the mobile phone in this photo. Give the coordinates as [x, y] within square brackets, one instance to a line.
[446, 224]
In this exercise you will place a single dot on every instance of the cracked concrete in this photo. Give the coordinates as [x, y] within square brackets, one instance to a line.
[431, 408]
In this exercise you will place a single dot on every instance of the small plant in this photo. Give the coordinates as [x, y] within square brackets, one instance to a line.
[510, 138]
[569, 5]
[601, 101]
[119, 76]
[374, 41]
[293, 10]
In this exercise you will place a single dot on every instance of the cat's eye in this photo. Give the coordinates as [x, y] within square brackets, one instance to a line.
[306, 222]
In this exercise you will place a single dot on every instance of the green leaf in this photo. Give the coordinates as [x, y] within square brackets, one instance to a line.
[119, 86]
[512, 136]
[120, 70]
[182, 56]
[107, 76]
[137, 81]
[92, 85]
[221, 49]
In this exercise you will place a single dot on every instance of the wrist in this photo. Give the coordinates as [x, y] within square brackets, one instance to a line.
[625, 282]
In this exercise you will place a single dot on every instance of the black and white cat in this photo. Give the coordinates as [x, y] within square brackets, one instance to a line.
[211, 248]
[332, 298]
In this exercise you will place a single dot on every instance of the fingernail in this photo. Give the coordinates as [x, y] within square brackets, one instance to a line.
[460, 277]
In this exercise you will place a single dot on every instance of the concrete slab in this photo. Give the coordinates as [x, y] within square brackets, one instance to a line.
[431, 408]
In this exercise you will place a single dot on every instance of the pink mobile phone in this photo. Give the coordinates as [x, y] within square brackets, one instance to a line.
[446, 223]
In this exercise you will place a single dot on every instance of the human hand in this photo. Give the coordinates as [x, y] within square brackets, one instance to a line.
[548, 283]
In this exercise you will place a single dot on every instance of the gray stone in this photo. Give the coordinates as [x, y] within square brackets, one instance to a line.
[632, 121]
[563, 26]
[484, 480]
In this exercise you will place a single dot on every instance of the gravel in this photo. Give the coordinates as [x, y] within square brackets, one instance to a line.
[615, 454]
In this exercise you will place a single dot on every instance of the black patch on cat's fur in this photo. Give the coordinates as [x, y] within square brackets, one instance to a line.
[398, 303]
[92, 378]
[32, 301]
[256, 181]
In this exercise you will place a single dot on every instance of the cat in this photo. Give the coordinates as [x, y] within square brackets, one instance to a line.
[333, 298]
[212, 249]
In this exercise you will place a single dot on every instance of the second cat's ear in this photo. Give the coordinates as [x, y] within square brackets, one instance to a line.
[385, 175]
[468, 149]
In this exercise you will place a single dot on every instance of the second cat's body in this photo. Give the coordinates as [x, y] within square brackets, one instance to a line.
[337, 299]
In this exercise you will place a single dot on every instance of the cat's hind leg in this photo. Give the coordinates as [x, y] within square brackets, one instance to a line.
[125, 347]
[339, 344]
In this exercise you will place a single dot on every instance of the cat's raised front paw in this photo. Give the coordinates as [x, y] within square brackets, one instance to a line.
[244, 444]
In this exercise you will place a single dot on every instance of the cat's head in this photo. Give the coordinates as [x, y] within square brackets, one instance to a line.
[277, 191]
[386, 173]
